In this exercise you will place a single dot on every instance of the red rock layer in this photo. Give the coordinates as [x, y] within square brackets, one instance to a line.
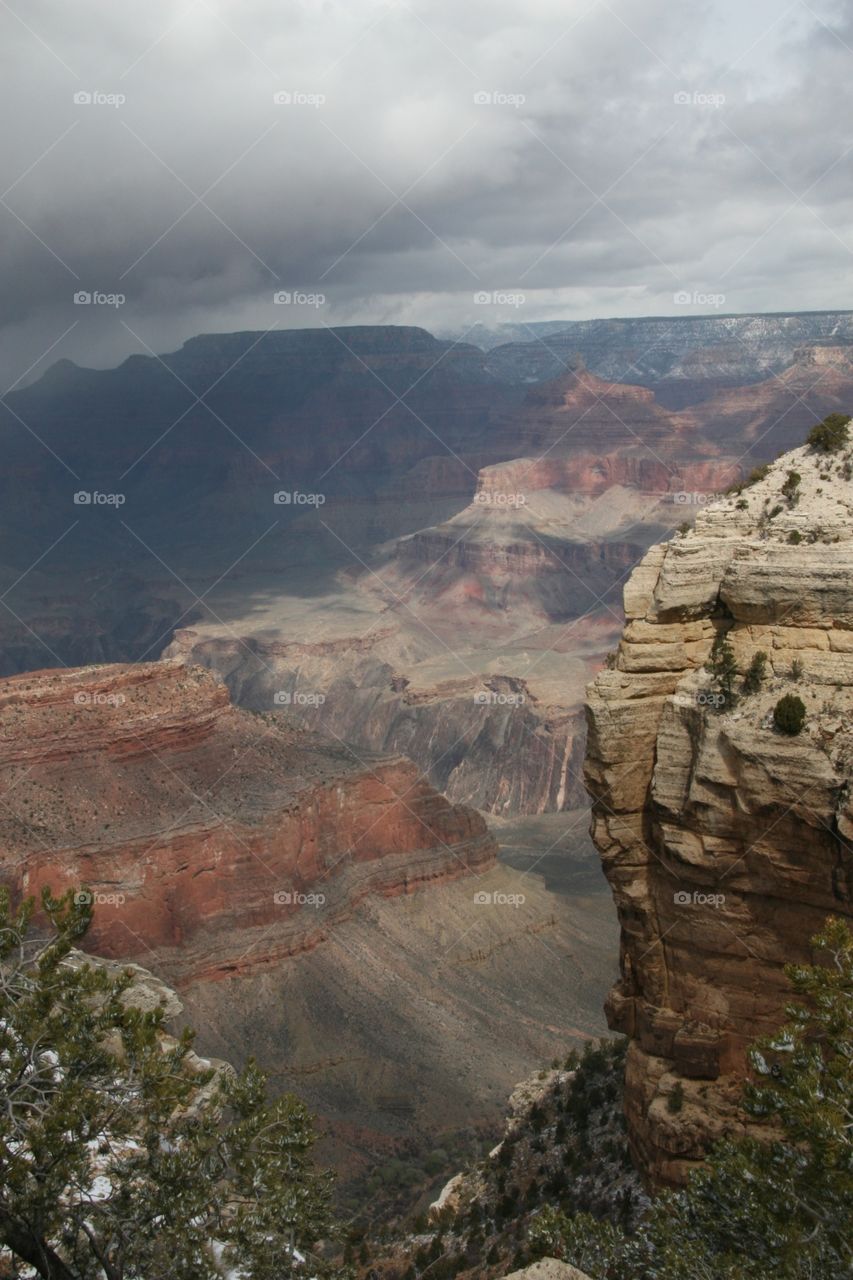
[214, 838]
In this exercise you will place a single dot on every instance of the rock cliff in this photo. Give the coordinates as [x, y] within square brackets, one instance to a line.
[726, 841]
[213, 839]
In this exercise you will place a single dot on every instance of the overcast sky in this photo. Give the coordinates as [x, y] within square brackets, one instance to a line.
[595, 157]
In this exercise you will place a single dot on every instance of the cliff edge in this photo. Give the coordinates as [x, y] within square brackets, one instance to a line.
[726, 840]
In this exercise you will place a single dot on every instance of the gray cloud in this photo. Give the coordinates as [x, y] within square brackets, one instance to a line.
[584, 183]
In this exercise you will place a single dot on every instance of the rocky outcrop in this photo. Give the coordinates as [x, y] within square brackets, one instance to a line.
[726, 842]
[548, 1269]
[213, 839]
[487, 740]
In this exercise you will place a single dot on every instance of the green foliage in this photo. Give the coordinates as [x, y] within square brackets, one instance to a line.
[781, 1206]
[757, 473]
[795, 537]
[830, 435]
[120, 1158]
[756, 673]
[789, 714]
[675, 1101]
[723, 668]
[790, 489]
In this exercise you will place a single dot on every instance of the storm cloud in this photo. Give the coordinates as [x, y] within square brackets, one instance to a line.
[182, 165]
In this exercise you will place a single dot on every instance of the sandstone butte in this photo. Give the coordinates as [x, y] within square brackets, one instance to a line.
[215, 840]
[726, 843]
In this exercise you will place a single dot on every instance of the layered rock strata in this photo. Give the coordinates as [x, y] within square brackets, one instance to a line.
[212, 839]
[726, 842]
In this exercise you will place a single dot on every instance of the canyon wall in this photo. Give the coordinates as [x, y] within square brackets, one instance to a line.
[726, 842]
[212, 839]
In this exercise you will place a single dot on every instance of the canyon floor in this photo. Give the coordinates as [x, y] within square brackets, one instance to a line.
[408, 1029]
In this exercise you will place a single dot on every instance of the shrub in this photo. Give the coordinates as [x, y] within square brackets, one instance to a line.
[791, 486]
[830, 435]
[755, 672]
[778, 1205]
[675, 1101]
[741, 505]
[795, 537]
[758, 473]
[789, 714]
[723, 668]
[796, 669]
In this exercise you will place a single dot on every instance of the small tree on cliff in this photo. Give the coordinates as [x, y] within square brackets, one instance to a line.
[830, 435]
[780, 1207]
[722, 665]
[119, 1158]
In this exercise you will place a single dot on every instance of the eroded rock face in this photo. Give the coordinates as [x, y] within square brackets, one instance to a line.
[726, 842]
[215, 840]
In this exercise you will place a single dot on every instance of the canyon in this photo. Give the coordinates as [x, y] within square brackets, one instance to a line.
[327, 598]
[329, 913]
[726, 842]
[435, 573]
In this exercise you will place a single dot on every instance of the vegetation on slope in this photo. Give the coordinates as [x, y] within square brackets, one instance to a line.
[122, 1155]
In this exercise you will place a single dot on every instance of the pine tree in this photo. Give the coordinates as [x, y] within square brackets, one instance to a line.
[723, 668]
[780, 1205]
[120, 1159]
